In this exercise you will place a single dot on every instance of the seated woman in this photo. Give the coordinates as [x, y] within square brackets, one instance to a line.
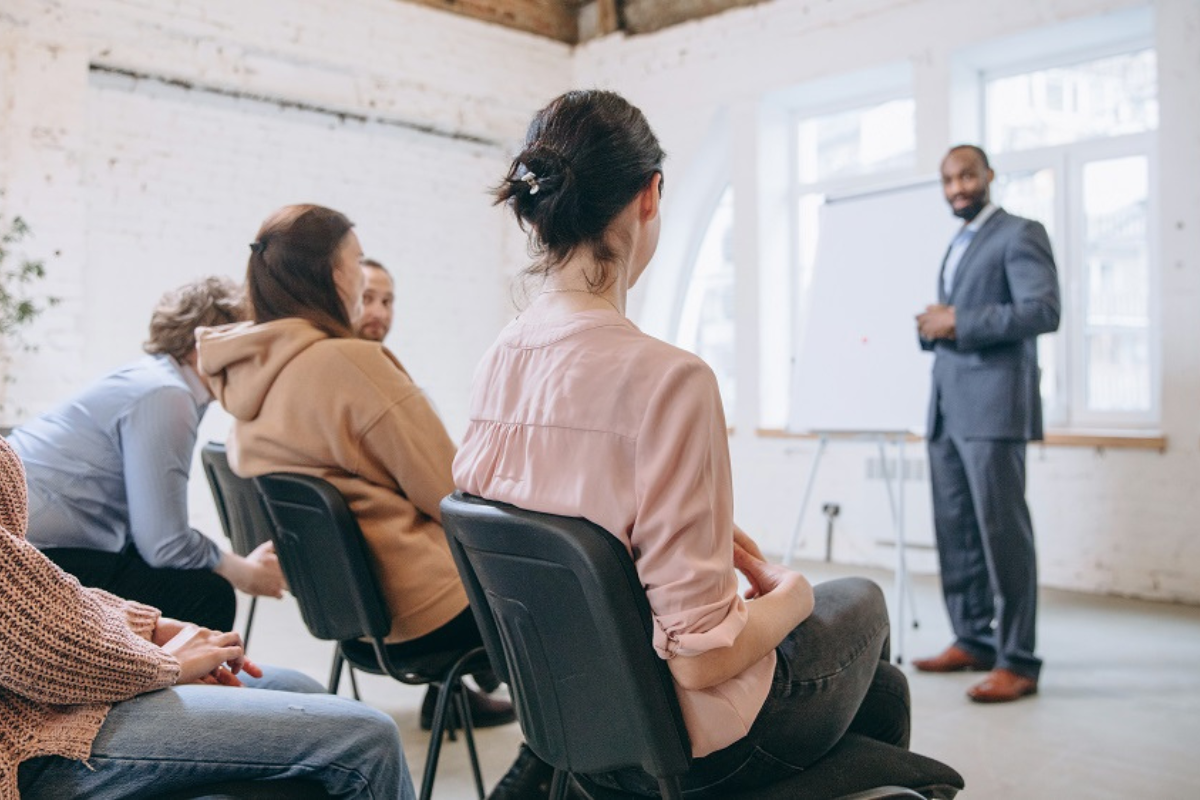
[577, 412]
[82, 714]
[309, 397]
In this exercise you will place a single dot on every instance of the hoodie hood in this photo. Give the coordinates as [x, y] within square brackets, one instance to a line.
[242, 360]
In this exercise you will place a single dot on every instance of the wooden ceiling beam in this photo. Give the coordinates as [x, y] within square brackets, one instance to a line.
[555, 19]
[647, 16]
[561, 19]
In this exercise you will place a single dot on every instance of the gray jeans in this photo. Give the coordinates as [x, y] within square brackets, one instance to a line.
[831, 677]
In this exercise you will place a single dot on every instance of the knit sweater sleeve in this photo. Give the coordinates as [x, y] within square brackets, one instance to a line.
[142, 619]
[63, 644]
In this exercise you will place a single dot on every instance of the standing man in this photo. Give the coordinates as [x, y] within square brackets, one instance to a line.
[107, 474]
[998, 290]
[379, 293]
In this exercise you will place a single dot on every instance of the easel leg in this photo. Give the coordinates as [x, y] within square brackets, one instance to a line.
[790, 552]
[904, 590]
[902, 587]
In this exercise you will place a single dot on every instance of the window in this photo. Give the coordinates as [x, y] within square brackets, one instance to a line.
[862, 141]
[1096, 99]
[1073, 148]
[837, 150]
[706, 323]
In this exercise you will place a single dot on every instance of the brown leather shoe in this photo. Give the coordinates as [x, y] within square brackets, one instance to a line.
[486, 712]
[952, 659]
[1002, 686]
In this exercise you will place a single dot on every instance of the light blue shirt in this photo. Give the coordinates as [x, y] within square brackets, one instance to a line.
[110, 467]
[962, 240]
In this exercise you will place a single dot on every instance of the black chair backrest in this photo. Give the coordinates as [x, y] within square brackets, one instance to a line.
[324, 557]
[567, 625]
[243, 517]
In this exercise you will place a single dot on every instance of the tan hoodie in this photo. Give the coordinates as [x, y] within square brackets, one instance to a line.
[346, 411]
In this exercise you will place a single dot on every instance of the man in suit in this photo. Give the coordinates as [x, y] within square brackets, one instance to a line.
[998, 290]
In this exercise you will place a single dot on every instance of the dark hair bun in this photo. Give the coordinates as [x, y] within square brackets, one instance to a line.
[541, 185]
[587, 155]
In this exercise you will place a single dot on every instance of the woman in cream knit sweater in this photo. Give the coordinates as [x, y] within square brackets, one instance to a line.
[86, 708]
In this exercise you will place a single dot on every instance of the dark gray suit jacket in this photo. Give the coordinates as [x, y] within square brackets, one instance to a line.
[1005, 292]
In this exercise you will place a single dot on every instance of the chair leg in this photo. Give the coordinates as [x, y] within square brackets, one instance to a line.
[464, 710]
[453, 722]
[335, 671]
[441, 714]
[558, 786]
[669, 789]
[353, 682]
[249, 622]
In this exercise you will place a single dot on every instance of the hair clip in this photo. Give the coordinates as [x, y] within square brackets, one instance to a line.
[532, 181]
[257, 247]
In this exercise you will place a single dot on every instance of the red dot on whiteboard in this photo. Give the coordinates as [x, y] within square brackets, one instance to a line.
[864, 340]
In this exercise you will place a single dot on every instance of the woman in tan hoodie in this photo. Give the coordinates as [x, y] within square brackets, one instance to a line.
[308, 397]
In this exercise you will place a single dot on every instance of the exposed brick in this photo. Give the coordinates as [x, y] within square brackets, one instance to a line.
[552, 18]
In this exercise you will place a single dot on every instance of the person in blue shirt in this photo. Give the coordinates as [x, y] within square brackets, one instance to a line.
[107, 474]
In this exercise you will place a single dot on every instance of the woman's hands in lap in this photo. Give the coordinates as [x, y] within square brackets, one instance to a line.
[205, 656]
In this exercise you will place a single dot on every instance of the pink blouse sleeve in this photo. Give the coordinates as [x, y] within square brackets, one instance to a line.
[682, 536]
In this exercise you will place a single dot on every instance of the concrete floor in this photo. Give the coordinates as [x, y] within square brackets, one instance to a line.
[1118, 714]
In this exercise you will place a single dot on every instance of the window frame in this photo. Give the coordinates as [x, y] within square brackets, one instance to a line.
[1069, 409]
[688, 341]
[799, 274]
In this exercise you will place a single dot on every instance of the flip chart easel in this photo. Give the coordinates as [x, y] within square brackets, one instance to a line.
[882, 439]
[859, 374]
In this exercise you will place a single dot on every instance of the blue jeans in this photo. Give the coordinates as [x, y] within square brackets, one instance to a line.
[831, 677]
[189, 736]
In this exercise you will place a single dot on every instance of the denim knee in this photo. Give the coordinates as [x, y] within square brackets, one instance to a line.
[282, 679]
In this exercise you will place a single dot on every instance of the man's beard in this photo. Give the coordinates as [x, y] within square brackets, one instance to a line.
[970, 212]
[371, 331]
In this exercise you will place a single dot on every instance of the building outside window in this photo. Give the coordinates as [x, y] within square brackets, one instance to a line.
[1073, 147]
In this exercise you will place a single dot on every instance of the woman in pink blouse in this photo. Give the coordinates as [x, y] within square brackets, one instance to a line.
[577, 412]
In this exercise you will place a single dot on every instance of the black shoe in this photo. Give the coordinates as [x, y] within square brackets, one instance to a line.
[529, 778]
[487, 680]
[486, 712]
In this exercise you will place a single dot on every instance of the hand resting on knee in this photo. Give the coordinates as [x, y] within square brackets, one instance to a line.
[781, 600]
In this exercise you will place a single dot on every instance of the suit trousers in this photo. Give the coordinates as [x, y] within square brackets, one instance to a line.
[985, 548]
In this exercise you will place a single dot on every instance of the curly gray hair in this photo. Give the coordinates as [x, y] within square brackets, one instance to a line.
[201, 304]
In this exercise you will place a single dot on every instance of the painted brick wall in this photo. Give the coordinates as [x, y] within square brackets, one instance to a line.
[146, 142]
[401, 116]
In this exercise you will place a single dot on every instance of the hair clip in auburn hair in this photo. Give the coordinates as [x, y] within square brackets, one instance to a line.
[532, 181]
[258, 247]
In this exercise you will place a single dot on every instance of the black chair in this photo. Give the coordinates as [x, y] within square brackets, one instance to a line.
[246, 525]
[328, 569]
[567, 625]
[242, 516]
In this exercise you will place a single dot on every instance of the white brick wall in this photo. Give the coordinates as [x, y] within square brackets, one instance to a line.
[138, 185]
[399, 116]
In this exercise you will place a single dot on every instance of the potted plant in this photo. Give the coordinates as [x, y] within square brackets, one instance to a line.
[21, 302]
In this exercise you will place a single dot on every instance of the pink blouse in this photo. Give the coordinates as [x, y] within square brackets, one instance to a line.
[587, 416]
